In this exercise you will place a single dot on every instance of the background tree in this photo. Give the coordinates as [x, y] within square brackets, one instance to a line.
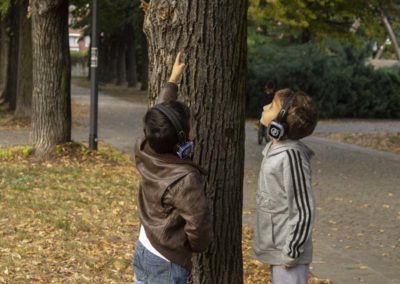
[51, 103]
[16, 56]
[24, 86]
[9, 13]
[212, 37]
[11, 91]
[4, 48]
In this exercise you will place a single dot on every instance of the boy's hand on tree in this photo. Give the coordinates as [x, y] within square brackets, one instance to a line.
[177, 69]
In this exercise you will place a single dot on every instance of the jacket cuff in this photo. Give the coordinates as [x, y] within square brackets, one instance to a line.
[287, 260]
[171, 85]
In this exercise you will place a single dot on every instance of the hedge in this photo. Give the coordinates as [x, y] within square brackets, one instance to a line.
[336, 77]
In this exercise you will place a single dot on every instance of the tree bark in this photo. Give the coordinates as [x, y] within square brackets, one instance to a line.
[131, 73]
[11, 93]
[51, 104]
[4, 56]
[212, 36]
[24, 85]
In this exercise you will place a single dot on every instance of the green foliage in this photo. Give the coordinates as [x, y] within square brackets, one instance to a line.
[303, 20]
[113, 14]
[79, 58]
[4, 7]
[337, 78]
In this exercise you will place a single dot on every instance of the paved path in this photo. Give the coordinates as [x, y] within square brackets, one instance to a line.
[357, 235]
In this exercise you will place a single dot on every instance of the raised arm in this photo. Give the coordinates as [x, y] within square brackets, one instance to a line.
[170, 90]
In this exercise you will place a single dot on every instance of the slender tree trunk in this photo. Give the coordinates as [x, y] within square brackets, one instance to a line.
[88, 61]
[121, 61]
[103, 60]
[51, 104]
[11, 94]
[144, 73]
[4, 56]
[392, 36]
[24, 86]
[112, 58]
[380, 51]
[131, 73]
[212, 36]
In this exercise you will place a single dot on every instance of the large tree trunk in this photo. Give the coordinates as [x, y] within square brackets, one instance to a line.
[51, 104]
[4, 56]
[11, 95]
[212, 36]
[131, 73]
[24, 85]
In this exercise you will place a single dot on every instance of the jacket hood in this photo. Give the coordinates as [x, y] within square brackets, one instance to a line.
[281, 146]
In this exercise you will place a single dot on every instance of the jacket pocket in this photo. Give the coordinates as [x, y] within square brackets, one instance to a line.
[279, 229]
[264, 237]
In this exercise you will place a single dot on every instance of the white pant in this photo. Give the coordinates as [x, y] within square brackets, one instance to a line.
[294, 275]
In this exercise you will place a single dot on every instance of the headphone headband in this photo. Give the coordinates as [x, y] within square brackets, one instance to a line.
[174, 120]
[285, 108]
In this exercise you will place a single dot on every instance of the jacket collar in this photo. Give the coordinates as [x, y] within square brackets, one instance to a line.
[145, 150]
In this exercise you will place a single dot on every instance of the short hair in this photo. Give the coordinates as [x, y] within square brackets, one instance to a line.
[160, 132]
[302, 115]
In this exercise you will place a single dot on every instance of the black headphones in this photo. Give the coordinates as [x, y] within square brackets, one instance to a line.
[278, 127]
[185, 148]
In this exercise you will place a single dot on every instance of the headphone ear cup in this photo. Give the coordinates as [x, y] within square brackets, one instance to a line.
[276, 130]
[185, 150]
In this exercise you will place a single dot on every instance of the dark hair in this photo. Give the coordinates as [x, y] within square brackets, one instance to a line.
[160, 132]
[302, 115]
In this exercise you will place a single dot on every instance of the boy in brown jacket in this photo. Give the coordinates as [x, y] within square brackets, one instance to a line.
[175, 220]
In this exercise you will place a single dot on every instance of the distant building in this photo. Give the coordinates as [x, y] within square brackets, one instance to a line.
[78, 41]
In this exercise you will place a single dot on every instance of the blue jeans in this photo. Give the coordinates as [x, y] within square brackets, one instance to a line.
[150, 268]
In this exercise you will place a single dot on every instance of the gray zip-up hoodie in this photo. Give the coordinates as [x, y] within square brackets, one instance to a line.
[285, 205]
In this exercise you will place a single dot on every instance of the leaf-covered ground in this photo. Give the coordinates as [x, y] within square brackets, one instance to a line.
[73, 219]
[69, 220]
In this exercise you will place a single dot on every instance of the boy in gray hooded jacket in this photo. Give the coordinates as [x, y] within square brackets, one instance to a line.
[285, 203]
